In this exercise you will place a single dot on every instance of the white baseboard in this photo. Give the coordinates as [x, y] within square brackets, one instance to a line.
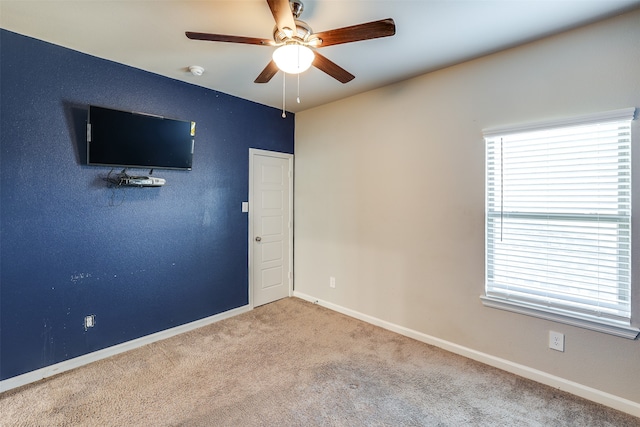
[76, 362]
[594, 395]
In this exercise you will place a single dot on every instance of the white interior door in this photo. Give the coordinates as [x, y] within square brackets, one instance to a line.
[270, 228]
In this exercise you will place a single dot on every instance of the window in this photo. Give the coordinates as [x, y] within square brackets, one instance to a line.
[558, 221]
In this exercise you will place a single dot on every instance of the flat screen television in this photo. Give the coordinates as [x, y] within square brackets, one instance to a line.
[134, 140]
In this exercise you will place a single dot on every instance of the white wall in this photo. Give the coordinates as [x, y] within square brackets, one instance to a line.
[389, 196]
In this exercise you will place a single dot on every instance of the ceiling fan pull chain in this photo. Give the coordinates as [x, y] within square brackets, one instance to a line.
[284, 79]
[298, 75]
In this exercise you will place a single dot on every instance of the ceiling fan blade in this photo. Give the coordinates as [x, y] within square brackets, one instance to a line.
[281, 11]
[331, 68]
[355, 33]
[229, 39]
[269, 71]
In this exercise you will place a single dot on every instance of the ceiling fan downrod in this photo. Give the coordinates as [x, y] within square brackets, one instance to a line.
[296, 8]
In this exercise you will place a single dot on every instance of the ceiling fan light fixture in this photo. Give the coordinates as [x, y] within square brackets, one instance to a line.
[293, 58]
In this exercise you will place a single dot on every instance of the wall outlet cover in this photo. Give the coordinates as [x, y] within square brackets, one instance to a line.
[556, 341]
[89, 321]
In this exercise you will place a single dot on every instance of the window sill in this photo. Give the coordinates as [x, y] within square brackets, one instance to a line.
[623, 331]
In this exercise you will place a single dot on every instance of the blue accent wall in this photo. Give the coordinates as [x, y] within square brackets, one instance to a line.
[140, 259]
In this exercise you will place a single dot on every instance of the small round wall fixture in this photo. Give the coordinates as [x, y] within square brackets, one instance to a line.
[196, 70]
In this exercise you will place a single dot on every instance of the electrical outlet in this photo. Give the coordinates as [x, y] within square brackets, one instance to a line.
[89, 321]
[332, 282]
[556, 341]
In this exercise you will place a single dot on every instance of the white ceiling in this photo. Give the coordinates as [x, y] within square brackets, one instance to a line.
[430, 34]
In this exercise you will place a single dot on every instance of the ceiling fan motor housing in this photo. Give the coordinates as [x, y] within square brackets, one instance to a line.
[302, 35]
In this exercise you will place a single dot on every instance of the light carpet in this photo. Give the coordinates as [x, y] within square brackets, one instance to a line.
[292, 363]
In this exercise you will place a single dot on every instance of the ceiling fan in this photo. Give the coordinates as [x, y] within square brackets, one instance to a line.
[297, 43]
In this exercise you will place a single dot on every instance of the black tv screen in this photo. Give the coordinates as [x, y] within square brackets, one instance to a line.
[134, 140]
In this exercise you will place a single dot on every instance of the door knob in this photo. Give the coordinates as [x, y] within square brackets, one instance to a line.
[258, 238]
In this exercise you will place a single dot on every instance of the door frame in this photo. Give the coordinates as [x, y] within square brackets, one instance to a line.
[253, 153]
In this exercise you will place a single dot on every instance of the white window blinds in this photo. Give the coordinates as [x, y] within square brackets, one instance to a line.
[558, 216]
